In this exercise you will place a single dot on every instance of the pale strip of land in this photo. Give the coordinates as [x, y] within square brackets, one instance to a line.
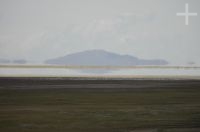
[96, 67]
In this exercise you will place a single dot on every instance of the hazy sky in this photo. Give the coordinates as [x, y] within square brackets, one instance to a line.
[37, 30]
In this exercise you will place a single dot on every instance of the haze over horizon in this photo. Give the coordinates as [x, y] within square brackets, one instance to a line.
[38, 30]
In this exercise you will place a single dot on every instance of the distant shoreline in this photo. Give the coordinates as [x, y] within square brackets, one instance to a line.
[95, 67]
[102, 77]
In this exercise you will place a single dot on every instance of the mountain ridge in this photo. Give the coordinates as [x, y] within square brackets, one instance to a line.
[99, 57]
[7, 61]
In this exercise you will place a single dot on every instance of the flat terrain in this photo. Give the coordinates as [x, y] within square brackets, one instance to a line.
[79, 105]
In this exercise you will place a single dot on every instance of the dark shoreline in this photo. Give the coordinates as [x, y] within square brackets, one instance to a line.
[92, 83]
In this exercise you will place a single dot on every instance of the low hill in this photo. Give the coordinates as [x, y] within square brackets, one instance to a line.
[4, 61]
[102, 58]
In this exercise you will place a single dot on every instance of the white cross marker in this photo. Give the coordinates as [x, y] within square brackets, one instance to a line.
[186, 14]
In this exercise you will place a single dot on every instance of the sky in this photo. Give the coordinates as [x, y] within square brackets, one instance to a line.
[37, 30]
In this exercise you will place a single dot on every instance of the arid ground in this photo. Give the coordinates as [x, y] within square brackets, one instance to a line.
[99, 105]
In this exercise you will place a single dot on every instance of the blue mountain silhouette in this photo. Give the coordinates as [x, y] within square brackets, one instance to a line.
[102, 58]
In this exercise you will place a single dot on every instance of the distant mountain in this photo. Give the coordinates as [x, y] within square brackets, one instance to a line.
[4, 61]
[102, 58]
[21, 61]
